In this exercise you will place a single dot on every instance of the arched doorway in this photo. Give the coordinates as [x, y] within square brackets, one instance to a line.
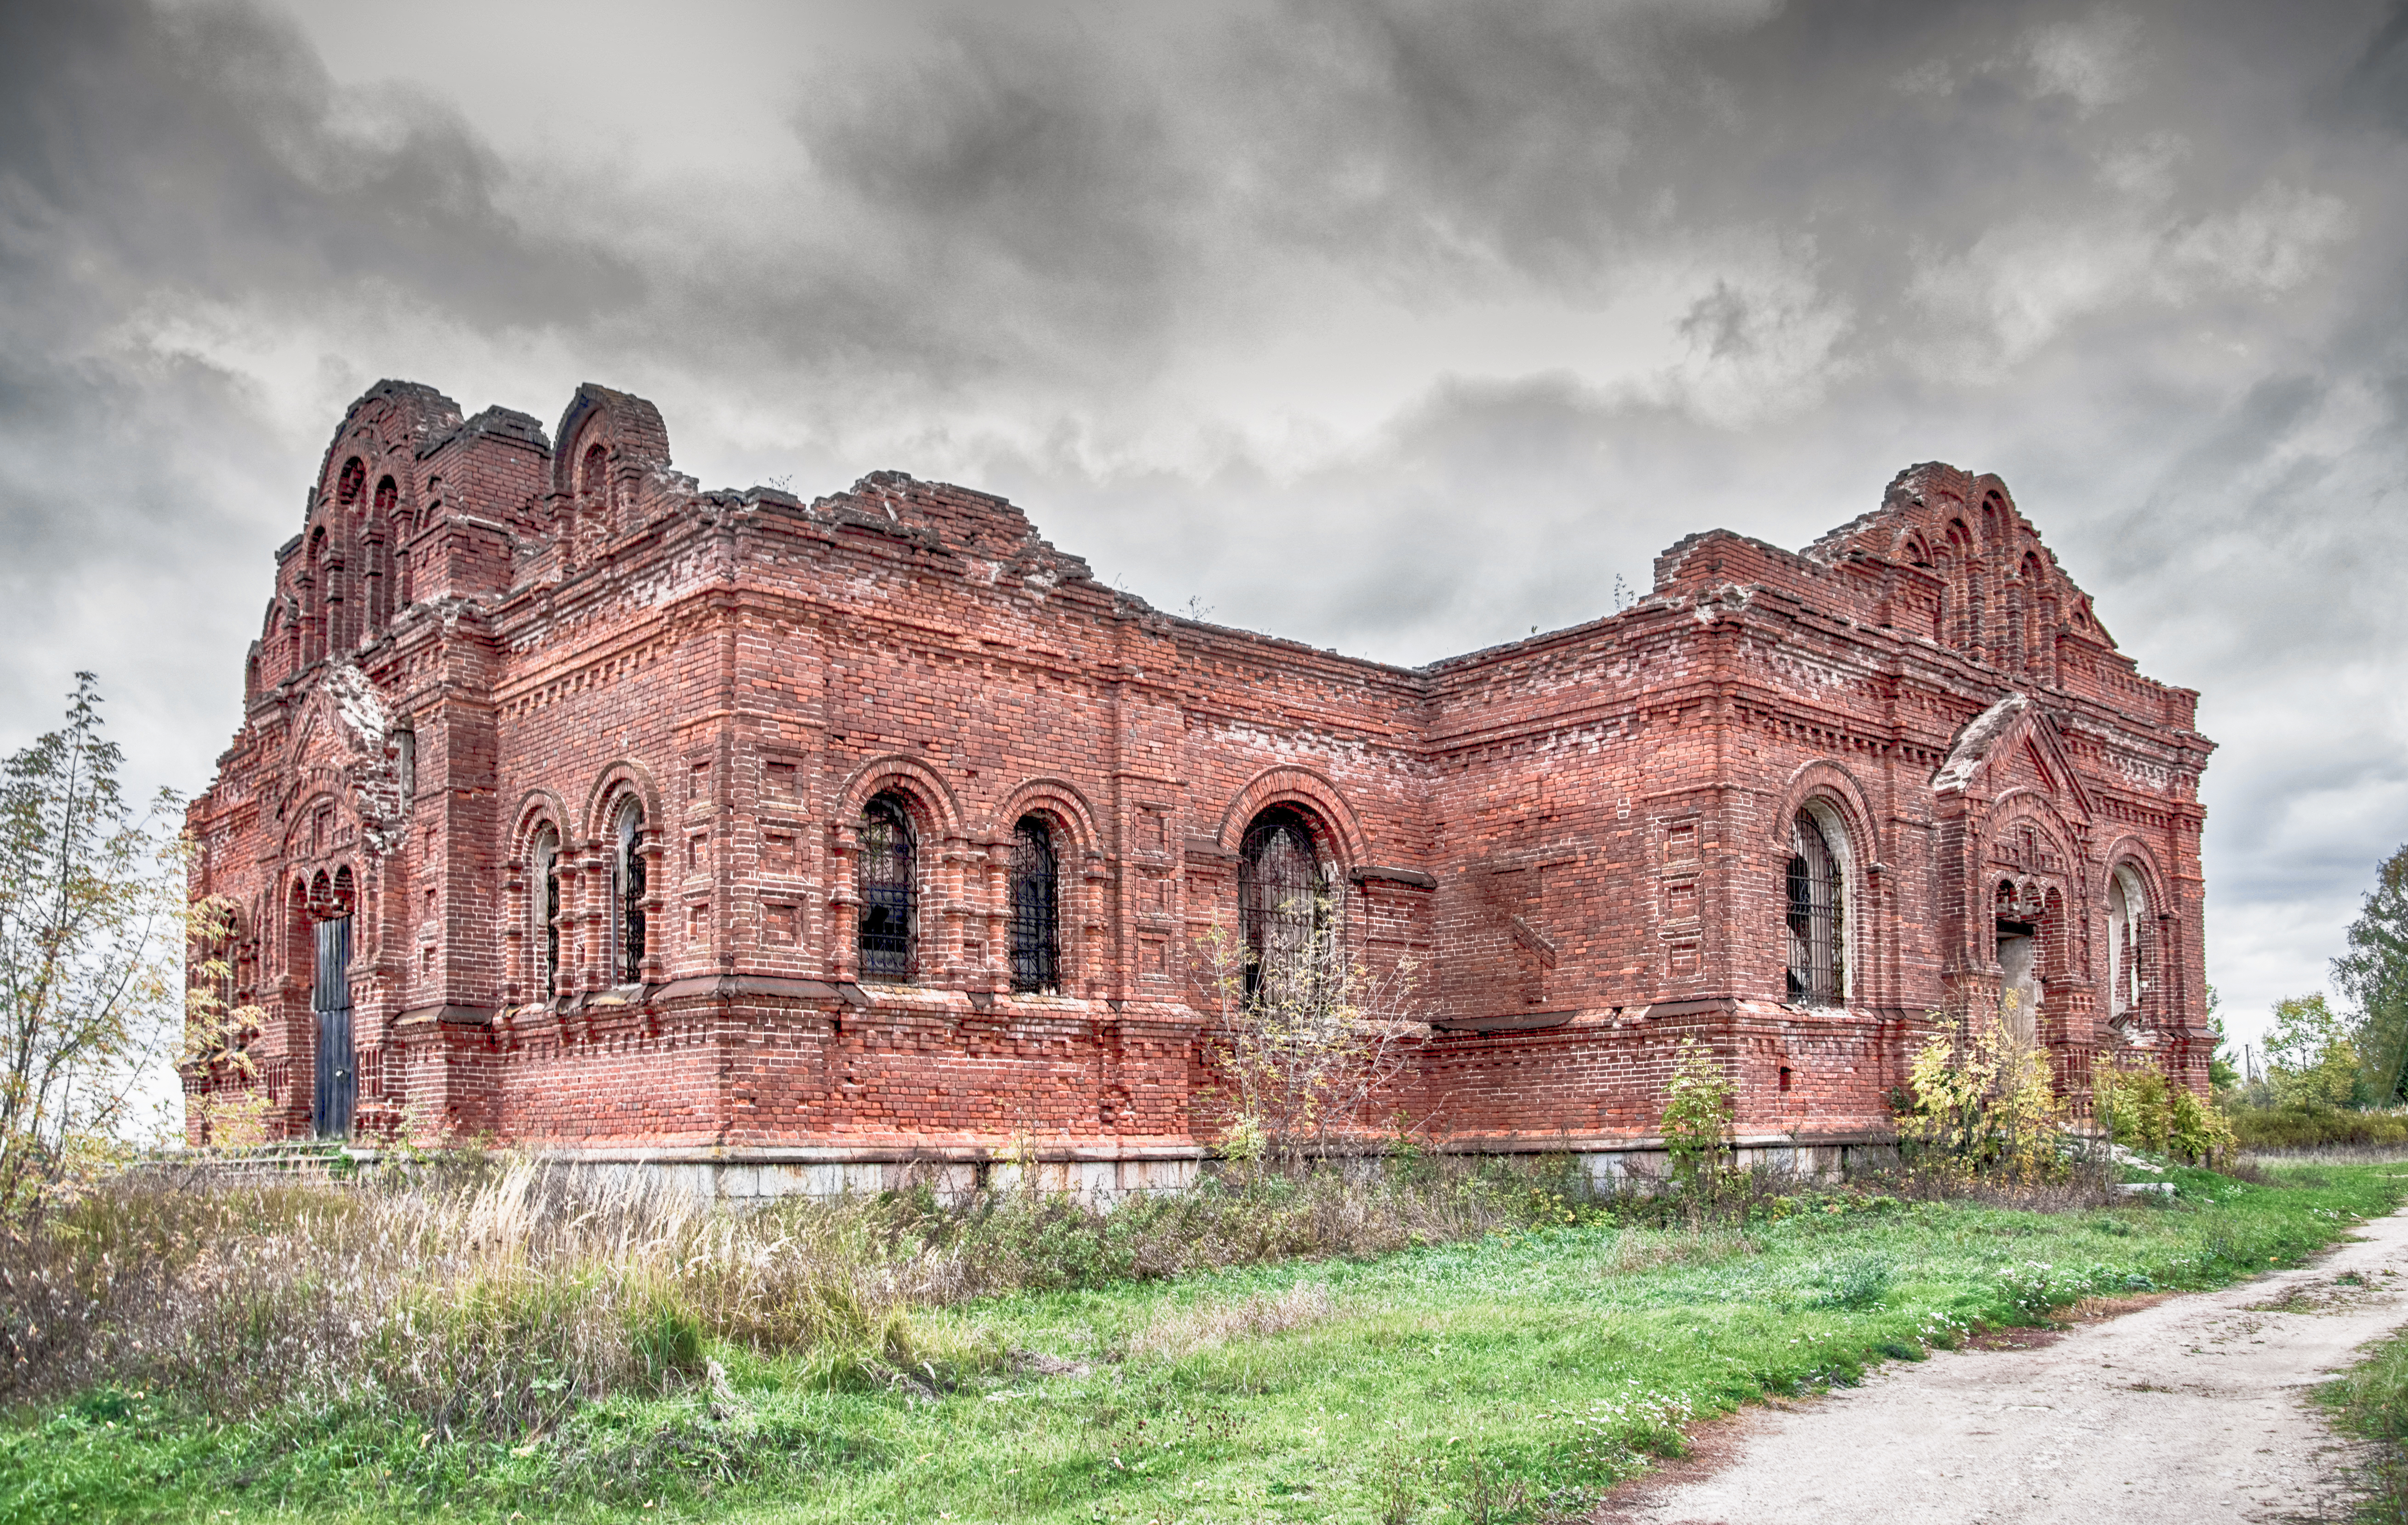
[336, 1092]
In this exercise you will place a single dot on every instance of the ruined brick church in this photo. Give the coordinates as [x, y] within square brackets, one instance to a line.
[584, 809]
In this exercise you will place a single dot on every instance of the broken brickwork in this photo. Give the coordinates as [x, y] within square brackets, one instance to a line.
[594, 761]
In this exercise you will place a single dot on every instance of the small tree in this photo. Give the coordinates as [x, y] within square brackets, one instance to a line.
[1304, 1039]
[92, 919]
[1982, 1102]
[1698, 1118]
[2223, 1075]
[2313, 1063]
[2374, 974]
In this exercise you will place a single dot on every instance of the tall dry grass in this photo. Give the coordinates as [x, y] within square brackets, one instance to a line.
[493, 1297]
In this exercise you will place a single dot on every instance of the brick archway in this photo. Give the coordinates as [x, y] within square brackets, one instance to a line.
[1057, 796]
[1298, 787]
[910, 778]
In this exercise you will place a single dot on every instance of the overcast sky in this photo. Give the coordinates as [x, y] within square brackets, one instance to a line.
[1397, 328]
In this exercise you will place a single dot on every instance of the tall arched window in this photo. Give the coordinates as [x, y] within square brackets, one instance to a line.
[1284, 905]
[349, 481]
[373, 553]
[2127, 910]
[314, 616]
[402, 746]
[1818, 931]
[888, 884]
[627, 891]
[545, 904]
[1035, 909]
[594, 486]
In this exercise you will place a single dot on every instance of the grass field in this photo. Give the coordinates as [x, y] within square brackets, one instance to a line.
[2371, 1401]
[1511, 1377]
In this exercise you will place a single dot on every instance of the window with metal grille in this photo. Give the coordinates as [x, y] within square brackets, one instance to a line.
[1283, 906]
[547, 914]
[1818, 973]
[1035, 909]
[887, 881]
[628, 882]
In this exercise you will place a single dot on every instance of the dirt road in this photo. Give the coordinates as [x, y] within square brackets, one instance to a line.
[2192, 1411]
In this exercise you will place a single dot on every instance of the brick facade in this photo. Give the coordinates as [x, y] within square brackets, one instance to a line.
[488, 649]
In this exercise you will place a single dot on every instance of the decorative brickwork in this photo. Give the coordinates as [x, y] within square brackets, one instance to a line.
[615, 774]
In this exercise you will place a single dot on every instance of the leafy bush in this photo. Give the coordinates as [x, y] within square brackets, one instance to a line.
[2299, 1128]
[1981, 1104]
[2141, 1109]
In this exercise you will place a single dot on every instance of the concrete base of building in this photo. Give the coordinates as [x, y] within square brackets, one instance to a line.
[1103, 1173]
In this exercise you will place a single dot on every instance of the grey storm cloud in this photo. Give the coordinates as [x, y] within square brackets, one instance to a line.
[1398, 327]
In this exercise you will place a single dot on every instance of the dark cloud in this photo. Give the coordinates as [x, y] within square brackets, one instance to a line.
[204, 151]
[156, 165]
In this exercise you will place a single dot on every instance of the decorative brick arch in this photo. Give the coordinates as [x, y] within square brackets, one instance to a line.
[1080, 885]
[2133, 852]
[2028, 806]
[623, 777]
[1320, 798]
[383, 429]
[627, 427]
[1056, 797]
[940, 813]
[537, 808]
[315, 892]
[1832, 795]
[1833, 785]
[306, 802]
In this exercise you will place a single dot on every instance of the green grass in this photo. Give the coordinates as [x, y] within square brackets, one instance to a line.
[2371, 1401]
[1508, 1378]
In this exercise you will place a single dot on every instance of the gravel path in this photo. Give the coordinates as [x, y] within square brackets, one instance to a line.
[2193, 1410]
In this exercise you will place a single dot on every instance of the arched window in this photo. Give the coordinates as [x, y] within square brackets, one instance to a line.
[404, 745]
[627, 891]
[1285, 907]
[1035, 909]
[2019, 934]
[353, 478]
[1818, 923]
[315, 617]
[545, 905]
[888, 884]
[2126, 908]
[594, 484]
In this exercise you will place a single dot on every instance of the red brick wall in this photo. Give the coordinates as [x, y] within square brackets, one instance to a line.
[1581, 838]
